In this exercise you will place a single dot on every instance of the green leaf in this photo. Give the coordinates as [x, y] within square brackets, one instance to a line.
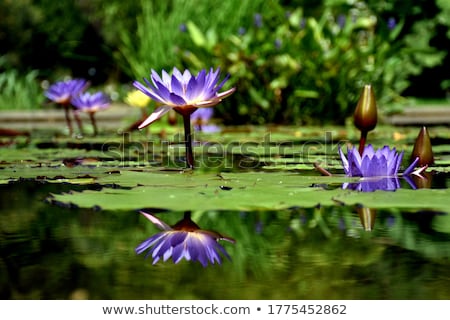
[243, 191]
[196, 34]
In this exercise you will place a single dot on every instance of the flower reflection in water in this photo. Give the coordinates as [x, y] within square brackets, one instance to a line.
[372, 184]
[379, 183]
[185, 240]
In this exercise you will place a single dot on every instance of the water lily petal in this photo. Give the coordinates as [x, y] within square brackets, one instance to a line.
[148, 92]
[158, 113]
[158, 222]
[411, 167]
[177, 87]
[177, 100]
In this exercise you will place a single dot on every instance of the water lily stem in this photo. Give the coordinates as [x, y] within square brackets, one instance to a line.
[362, 142]
[68, 121]
[93, 122]
[323, 171]
[78, 120]
[188, 140]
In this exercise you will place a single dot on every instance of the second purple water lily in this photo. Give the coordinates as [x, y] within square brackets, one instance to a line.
[379, 169]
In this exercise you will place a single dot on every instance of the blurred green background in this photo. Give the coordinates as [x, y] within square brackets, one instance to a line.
[293, 62]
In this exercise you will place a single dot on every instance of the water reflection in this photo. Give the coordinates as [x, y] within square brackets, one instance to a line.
[367, 217]
[185, 240]
[424, 180]
[372, 184]
[53, 252]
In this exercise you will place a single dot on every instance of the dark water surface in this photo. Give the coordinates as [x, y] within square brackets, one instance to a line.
[53, 252]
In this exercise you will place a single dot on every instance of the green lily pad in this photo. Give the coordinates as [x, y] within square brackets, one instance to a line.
[243, 191]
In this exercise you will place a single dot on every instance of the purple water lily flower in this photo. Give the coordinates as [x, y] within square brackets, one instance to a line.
[384, 162]
[63, 91]
[91, 103]
[184, 240]
[183, 92]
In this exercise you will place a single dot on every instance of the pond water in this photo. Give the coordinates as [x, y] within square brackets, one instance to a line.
[70, 224]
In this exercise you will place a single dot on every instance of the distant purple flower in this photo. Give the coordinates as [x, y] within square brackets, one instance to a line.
[183, 240]
[241, 31]
[302, 23]
[203, 115]
[91, 103]
[391, 23]
[390, 221]
[182, 27]
[341, 21]
[200, 120]
[278, 43]
[257, 20]
[63, 91]
[183, 91]
[381, 163]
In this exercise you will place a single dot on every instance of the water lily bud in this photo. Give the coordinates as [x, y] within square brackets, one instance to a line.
[422, 149]
[365, 116]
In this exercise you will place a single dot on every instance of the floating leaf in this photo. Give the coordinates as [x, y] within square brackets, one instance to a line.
[244, 191]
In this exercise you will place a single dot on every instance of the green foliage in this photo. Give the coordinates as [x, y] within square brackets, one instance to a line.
[19, 91]
[16, 29]
[444, 15]
[158, 37]
[296, 68]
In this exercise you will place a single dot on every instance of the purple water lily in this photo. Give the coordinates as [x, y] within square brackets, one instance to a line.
[183, 93]
[384, 162]
[62, 92]
[91, 103]
[184, 240]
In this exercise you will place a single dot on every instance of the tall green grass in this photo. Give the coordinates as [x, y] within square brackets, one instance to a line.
[158, 40]
[19, 92]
